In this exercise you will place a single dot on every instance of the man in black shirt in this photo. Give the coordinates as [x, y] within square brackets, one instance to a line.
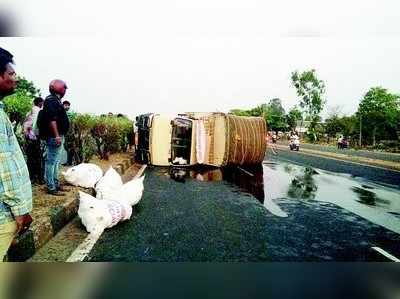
[57, 125]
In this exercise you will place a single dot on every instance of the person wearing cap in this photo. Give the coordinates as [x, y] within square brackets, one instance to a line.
[15, 186]
[56, 125]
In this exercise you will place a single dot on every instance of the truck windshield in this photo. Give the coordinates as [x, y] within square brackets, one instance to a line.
[181, 141]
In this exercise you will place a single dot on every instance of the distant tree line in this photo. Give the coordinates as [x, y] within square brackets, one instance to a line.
[376, 123]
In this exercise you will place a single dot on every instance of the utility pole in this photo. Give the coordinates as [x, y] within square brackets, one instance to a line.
[360, 138]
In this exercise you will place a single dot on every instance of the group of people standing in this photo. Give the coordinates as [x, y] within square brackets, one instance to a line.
[47, 122]
[35, 148]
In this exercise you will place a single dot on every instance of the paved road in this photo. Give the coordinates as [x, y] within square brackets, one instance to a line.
[191, 221]
[217, 221]
[393, 157]
[375, 174]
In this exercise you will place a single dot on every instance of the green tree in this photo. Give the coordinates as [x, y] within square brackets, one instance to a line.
[20, 103]
[17, 106]
[346, 125]
[259, 110]
[350, 126]
[311, 91]
[239, 112]
[27, 88]
[333, 126]
[275, 115]
[293, 116]
[380, 113]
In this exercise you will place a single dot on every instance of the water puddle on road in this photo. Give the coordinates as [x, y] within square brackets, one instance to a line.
[249, 180]
[376, 203]
[273, 180]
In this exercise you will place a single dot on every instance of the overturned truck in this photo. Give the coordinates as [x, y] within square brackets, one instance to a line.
[214, 139]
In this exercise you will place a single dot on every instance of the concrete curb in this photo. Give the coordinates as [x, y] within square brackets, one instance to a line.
[34, 239]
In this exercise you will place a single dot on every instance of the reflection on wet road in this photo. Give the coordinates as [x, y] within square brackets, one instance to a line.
[376, 203]
[280, 185]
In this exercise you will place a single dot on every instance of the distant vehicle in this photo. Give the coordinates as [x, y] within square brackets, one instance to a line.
[294, 143]
[343, 143]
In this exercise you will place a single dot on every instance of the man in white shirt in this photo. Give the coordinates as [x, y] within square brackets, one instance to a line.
[34, 152]
[339, 142]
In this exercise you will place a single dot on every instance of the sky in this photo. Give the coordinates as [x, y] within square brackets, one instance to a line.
[175, 56]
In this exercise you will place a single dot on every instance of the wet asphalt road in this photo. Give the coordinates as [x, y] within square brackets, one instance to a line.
[375, 174]
[188, 221]
[217, 221]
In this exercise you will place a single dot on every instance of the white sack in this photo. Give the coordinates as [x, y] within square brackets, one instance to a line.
[110, 182]
[97, 215]
[130, 192]
[84, 175]
[180, 161]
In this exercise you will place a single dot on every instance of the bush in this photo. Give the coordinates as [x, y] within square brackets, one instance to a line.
[17, 107]
[111, 134]
[392, 146]
[88, 135]
[390, 143]
[102, 135]
[79, 140]
[88, 149]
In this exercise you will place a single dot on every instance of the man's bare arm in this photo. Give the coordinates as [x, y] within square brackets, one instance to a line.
[54, 130]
